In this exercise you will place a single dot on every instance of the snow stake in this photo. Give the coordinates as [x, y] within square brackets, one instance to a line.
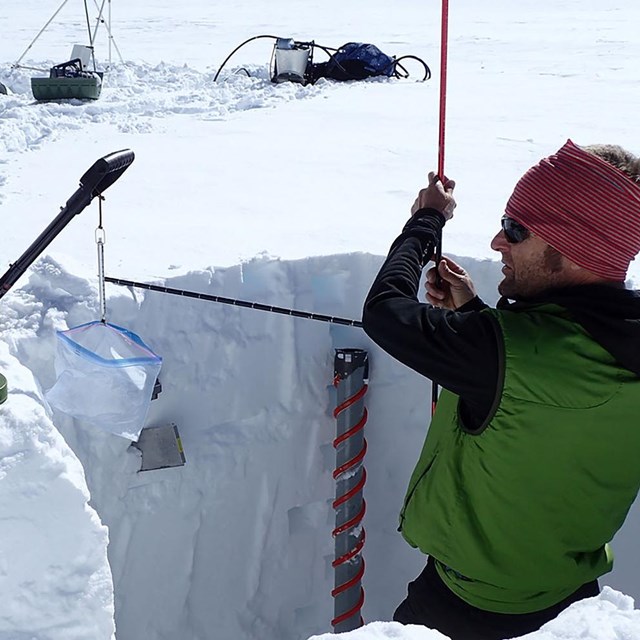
[350, 379]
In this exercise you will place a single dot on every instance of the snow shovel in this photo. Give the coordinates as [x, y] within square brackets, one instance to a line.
[100, 176]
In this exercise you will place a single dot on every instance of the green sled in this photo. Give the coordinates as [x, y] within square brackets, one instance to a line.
[66, 88]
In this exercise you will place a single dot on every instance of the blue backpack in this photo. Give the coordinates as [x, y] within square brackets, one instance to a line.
[355, 61]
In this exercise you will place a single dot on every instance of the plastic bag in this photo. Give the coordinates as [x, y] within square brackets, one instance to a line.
[105, 376]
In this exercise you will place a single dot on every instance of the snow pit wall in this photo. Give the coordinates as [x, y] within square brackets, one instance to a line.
[54, 575]
[237, 543]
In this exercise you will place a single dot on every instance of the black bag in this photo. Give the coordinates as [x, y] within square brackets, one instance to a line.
[355, 61]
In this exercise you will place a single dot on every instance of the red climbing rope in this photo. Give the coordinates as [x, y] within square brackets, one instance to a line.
[444, 39]
[443, 85]
[354, 610]
[356, 521]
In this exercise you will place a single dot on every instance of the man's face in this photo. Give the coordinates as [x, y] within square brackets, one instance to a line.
[530, 266]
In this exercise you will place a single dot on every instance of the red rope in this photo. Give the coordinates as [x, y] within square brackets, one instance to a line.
[351, 432]
[352, 492]
[350, 463]
[350, 583]
[352, 553]
[349, 401]
[351, 524]
[444, 41]
[347, 614]
[443, 86]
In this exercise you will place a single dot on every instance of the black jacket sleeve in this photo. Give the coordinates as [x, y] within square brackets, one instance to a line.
[459, 349]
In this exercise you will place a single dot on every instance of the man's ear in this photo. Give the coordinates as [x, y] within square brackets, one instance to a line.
[570, 265]
[578, 274]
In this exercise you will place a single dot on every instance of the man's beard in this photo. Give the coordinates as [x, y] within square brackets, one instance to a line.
[545, 275]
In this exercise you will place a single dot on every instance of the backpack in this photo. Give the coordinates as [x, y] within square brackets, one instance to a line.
[355, 61]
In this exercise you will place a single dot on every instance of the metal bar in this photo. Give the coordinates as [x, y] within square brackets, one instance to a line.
[112, 40]
[235, 302]
[17, 62]
[98, 20]
[100, 240]
[86, 13]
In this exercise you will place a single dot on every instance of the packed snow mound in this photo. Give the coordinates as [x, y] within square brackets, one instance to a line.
[386, 631]
[610, 616]
[137, 97]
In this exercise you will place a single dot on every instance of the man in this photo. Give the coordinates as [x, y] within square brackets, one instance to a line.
[532, 459]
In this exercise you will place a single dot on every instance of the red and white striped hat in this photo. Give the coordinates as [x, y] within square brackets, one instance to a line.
[583, 207]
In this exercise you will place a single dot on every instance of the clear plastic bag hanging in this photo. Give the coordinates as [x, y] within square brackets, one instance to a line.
[105, 376]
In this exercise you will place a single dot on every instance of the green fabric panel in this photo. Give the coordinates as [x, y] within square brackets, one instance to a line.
[525, 507]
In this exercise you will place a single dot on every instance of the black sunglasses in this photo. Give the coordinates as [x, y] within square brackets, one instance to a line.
[514, 232]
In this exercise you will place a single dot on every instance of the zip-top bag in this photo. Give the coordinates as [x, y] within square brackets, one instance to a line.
[105, 376]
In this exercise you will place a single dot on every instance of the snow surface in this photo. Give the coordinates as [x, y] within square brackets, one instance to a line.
[285, 195]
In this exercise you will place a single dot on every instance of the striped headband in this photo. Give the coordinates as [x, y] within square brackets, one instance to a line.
[583, 207]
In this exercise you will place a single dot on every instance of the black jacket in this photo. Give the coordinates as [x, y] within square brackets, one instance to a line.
[459, 349]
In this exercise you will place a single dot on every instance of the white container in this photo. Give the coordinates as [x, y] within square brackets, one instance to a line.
[291, 64]
[84, 53]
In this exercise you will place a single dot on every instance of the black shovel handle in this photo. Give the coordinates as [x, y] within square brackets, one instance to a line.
[106, 171]
[100, 176]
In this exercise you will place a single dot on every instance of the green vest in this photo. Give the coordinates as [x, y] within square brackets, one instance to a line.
[519, 514]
